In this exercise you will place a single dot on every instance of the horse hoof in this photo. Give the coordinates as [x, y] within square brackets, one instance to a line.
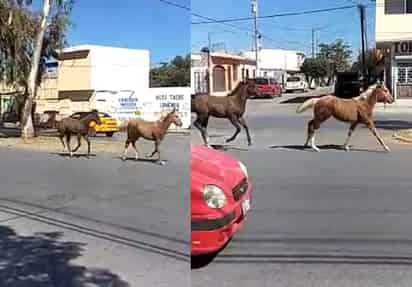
[346, 148]
[316, 149]
[161, 162]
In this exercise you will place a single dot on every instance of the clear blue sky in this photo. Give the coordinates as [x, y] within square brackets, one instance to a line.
[292, 32]
[140, 24]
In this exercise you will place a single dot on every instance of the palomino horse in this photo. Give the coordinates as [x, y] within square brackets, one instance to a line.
[355, 111]
[154, 131]
[231, 107]
[79, 127]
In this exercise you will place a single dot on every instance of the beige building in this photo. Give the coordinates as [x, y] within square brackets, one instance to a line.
[225, 70]
[394, 38]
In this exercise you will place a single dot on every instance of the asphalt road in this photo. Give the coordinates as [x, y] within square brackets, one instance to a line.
[332, 218]
[130, 217]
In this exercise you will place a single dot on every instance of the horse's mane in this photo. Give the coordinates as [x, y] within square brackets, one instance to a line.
[235, 90]
[364, 95]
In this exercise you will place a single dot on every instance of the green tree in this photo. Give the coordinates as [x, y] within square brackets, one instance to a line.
[337, 55]
[27, 40]
[173, 74]
[314, 69]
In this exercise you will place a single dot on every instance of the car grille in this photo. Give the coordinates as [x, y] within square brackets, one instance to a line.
[240, 189]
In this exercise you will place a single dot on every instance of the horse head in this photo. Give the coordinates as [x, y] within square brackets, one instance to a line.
[383, 94]
[251, 88]
[175, 119]
[94, 116]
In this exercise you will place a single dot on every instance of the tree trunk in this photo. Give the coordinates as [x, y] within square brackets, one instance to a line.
[27, 119]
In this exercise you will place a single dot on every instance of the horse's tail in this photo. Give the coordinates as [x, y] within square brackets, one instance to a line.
[307, 105]
[123, 126]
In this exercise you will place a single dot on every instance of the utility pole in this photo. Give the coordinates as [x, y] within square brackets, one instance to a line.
[361, 8]
[256, 33]
[313, 43]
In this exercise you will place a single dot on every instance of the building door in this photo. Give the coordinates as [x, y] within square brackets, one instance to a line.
[219, 79]
[229, 77]
[404, 81]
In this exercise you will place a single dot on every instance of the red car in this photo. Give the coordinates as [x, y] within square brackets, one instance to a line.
[220, 198]
[268, 87]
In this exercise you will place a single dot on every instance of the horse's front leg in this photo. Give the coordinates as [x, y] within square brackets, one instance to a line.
[62, 141]
[79, 138]
[235, 122]
[350, 132]
[372, 128]
[244, 125]
[68, 138]
[201, 124]
[89, 148]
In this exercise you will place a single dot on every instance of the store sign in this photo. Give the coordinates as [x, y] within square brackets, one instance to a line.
[402, 48]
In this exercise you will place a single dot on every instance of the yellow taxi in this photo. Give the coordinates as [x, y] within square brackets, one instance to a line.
[108, 126]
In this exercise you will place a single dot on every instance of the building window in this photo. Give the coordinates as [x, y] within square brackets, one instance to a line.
[247, 73]
[398, 6]
[219, 79]
[243, 73]
[405, 74]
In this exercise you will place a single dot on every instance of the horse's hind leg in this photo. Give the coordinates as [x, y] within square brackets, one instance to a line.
[135, 149]
[372, 128]
[351, 129]
[235, 122]
[313, 125]
[244, 125]
[126, 146]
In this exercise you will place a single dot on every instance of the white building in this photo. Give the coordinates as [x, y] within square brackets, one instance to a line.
[276, 62]
[394, 38]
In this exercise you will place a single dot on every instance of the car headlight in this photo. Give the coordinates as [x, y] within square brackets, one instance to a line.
[243, 168]
[214, 196]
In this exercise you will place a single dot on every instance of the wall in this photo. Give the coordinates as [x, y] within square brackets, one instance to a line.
[276, 59]
[74, 74]
[392, 27]
[119, 69]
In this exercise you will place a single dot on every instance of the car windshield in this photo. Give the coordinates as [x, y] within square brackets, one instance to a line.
[262, 81]
[273, 82]
[293, 79]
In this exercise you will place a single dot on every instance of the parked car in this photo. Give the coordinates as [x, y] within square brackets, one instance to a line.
[347, 85]
[220, 198]
[268, 87]
[108, 126]
[295, 83]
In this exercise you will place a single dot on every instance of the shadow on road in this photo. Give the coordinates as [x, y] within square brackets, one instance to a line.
[393, 125]
[227, 147]
[76, 155]
[201, 261]
[43, 260]
[322, 147]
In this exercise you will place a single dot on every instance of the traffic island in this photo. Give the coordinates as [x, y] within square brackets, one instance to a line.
[404, 136]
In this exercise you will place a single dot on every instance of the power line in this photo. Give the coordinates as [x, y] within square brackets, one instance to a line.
[276, 15]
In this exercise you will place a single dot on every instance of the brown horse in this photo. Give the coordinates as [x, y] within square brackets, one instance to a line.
[154, 131]
[354, 111]
[80, 127]
[230, 107]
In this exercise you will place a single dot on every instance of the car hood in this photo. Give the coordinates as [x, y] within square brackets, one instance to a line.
[209, 166]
